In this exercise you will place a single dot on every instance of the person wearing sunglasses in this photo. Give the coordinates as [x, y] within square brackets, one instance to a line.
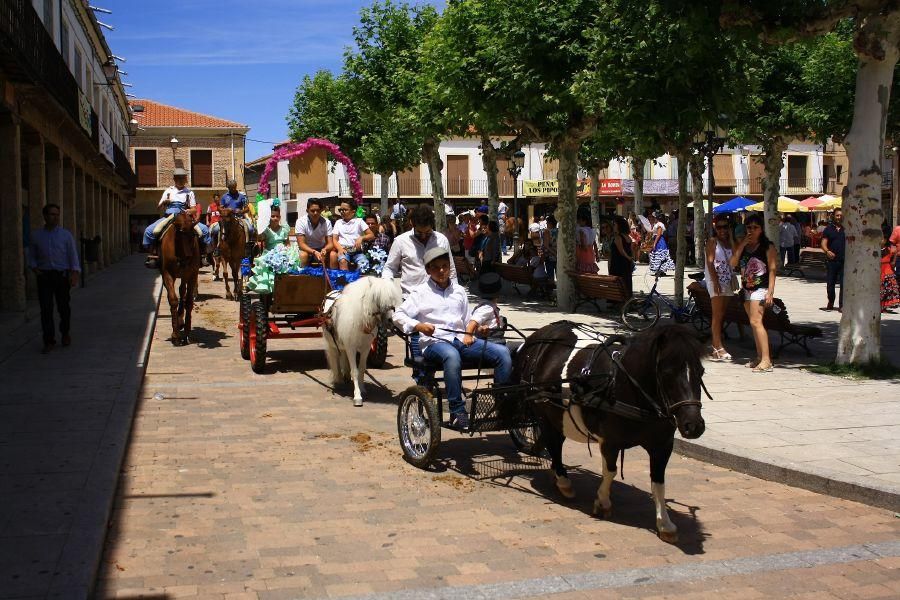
[721, 282]
[758, 260]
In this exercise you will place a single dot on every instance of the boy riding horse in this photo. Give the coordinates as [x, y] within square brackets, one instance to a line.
[177, 198]
[238, 203]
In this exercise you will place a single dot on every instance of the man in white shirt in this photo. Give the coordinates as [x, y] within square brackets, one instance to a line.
[407, 254]
[438, 310]
[175, 199]
[348, 235]
[314, 234]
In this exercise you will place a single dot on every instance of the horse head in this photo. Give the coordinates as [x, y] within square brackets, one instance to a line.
[183, 223]
[674, 378]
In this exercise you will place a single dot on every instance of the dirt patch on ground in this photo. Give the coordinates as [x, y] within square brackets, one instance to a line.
[327, 436]
[463, 484]
[363, 442]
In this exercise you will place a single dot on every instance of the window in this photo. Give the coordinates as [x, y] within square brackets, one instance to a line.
[201, 168]
[64, 43]
[145, 167]
[79, 71]
[89, 84]
[796, 171]
[48, 16]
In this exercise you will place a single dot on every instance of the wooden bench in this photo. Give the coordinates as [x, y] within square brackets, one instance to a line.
[791, 333]
[523, 275]
[590, 288]
[465, 272]
[811, 259]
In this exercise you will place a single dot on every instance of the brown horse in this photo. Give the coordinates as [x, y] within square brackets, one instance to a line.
[233, 248]
[179, 254]
[513, 225]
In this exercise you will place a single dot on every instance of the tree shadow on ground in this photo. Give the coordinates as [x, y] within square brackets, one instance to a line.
[491, 458]
[207, 338]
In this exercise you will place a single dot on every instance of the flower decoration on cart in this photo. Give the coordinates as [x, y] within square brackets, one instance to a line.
[283, 260]
[292, 150]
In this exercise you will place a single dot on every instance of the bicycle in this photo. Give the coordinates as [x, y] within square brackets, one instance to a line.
[642, 312]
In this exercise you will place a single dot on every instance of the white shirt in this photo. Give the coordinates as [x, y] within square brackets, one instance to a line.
[315, 237]
[349, 231]
[486, 314]
[502, 209]
[445, 309]
[534, 228]
[407, 259]
[172, 195]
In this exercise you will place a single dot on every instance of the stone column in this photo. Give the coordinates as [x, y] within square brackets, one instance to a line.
[90, 227]
[37, 193]
[80, 207]
[12, 258]
[54, 172]
[107, 227]
[68, 198]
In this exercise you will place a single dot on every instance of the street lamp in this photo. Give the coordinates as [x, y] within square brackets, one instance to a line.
[515, 168]
[708, 143]
[174, 143]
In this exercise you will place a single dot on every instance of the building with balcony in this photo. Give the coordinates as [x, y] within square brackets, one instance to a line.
[64, 125]
[210, 149]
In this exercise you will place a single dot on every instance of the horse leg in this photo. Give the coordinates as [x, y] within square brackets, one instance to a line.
[554, 443]
[603, 505]
[172, 297]
[659, 458]
[358, 372]
[333, 354]
[188, 308]
[225, 265]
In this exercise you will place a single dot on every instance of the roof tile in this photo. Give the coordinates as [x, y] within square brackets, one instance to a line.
[157, 114]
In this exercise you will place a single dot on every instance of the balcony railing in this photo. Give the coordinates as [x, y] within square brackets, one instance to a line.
[887, 180]
[410, 188]
[789, 186]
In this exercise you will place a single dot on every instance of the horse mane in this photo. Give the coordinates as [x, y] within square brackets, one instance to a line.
[360, 303]
[672, 341]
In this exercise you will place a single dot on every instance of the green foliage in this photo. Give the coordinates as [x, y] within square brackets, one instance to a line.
[323, 107]
[871, 370]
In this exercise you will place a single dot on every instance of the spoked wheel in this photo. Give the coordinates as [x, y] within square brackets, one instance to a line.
[259, 329]
[418, 426]
[244, 327]
[378, 352]
[526, 439]
[639, 314]
[686, 314]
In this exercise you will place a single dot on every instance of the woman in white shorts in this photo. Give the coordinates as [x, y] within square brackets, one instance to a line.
[721, 282]
[758, 261]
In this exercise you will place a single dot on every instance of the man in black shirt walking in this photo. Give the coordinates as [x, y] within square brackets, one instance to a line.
[834, 244]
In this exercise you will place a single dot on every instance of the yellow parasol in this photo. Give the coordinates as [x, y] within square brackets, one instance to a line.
[785, 205]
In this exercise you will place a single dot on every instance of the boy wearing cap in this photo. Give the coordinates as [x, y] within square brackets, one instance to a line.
[438, 310]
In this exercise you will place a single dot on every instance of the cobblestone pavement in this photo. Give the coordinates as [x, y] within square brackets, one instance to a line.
[273, 486]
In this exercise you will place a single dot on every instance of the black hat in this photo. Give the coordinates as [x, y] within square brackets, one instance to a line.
[488, 285]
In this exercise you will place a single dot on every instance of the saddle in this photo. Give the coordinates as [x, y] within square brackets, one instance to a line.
[163, 225]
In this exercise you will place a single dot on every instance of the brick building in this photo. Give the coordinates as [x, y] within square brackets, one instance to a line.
[210, 149]
[64, 124]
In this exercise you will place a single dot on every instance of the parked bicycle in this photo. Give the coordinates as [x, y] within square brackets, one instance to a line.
[642, 312]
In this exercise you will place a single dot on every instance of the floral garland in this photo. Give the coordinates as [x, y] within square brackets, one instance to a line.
[289, 151]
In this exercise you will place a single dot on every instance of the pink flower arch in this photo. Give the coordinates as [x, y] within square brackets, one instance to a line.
[295, 149]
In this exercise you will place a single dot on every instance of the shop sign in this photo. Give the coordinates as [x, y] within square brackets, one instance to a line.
[106, 145]
[610, 187]
[84, 112]
[543, 187]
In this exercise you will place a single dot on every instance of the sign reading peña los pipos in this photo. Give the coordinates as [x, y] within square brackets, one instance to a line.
[542, 187]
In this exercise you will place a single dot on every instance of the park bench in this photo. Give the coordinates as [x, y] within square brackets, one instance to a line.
[590, 288]
[811, 259]
[523, 275]
[790, 333]
[465, 272]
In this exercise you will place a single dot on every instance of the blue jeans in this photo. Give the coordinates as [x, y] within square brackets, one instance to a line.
[150, 239]
[452, 355]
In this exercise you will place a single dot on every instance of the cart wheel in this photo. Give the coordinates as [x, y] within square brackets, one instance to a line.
[259, 329]
[525, 439]
[639, 314]
[244, 327]
[418, 426]
[378, 353]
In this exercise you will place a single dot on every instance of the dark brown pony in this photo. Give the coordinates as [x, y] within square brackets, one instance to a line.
[618, 393]
[233, 248]
[179, 259]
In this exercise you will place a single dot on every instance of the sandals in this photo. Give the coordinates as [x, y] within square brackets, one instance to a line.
[720, 354]
[759, 369]
[752, 364]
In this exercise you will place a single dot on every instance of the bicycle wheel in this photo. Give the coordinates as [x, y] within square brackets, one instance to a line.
[639, 314]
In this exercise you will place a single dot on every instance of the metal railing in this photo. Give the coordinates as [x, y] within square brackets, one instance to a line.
[789, 186]
[887, 179]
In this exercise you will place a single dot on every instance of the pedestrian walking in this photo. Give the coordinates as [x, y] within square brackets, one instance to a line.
[721, 282]
[621, 261]
[54, 259]
[787, 239]
[758, 261]
[834, 244]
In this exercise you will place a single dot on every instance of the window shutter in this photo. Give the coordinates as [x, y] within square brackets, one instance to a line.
[145, 167]
[201, 168]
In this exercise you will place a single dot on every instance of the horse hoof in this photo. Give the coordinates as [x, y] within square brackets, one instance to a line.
[564, 485]
[600, 511]
[669, 537]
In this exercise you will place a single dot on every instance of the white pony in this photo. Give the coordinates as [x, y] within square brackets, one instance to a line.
[354, 320]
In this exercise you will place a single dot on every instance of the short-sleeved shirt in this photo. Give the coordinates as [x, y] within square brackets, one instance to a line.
[316, 237]
[486, 314]
[213, 212]
[836, 241]
[182, 198]
[349, 231]
[238, 200]
[275, 238]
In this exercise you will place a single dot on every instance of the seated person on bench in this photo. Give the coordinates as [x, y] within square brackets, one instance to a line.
[349, 233]
[438, 309]
[313, 234]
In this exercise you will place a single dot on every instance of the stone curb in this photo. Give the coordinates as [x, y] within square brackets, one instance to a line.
[80, 559]
[821, 481]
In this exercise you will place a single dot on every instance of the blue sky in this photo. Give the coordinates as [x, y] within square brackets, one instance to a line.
[235, 59]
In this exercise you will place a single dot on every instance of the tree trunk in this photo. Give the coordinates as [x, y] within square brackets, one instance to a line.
[696, 171]
[681, 230]
[565, 215]
[859, 340]
[637, 167]
[489, 161]
[773, 163]
[435, 165]
[385, 188]
[595, 199]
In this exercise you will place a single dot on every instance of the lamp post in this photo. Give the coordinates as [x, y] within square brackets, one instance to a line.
[174, 143]
[515, 168]
[709, 143]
